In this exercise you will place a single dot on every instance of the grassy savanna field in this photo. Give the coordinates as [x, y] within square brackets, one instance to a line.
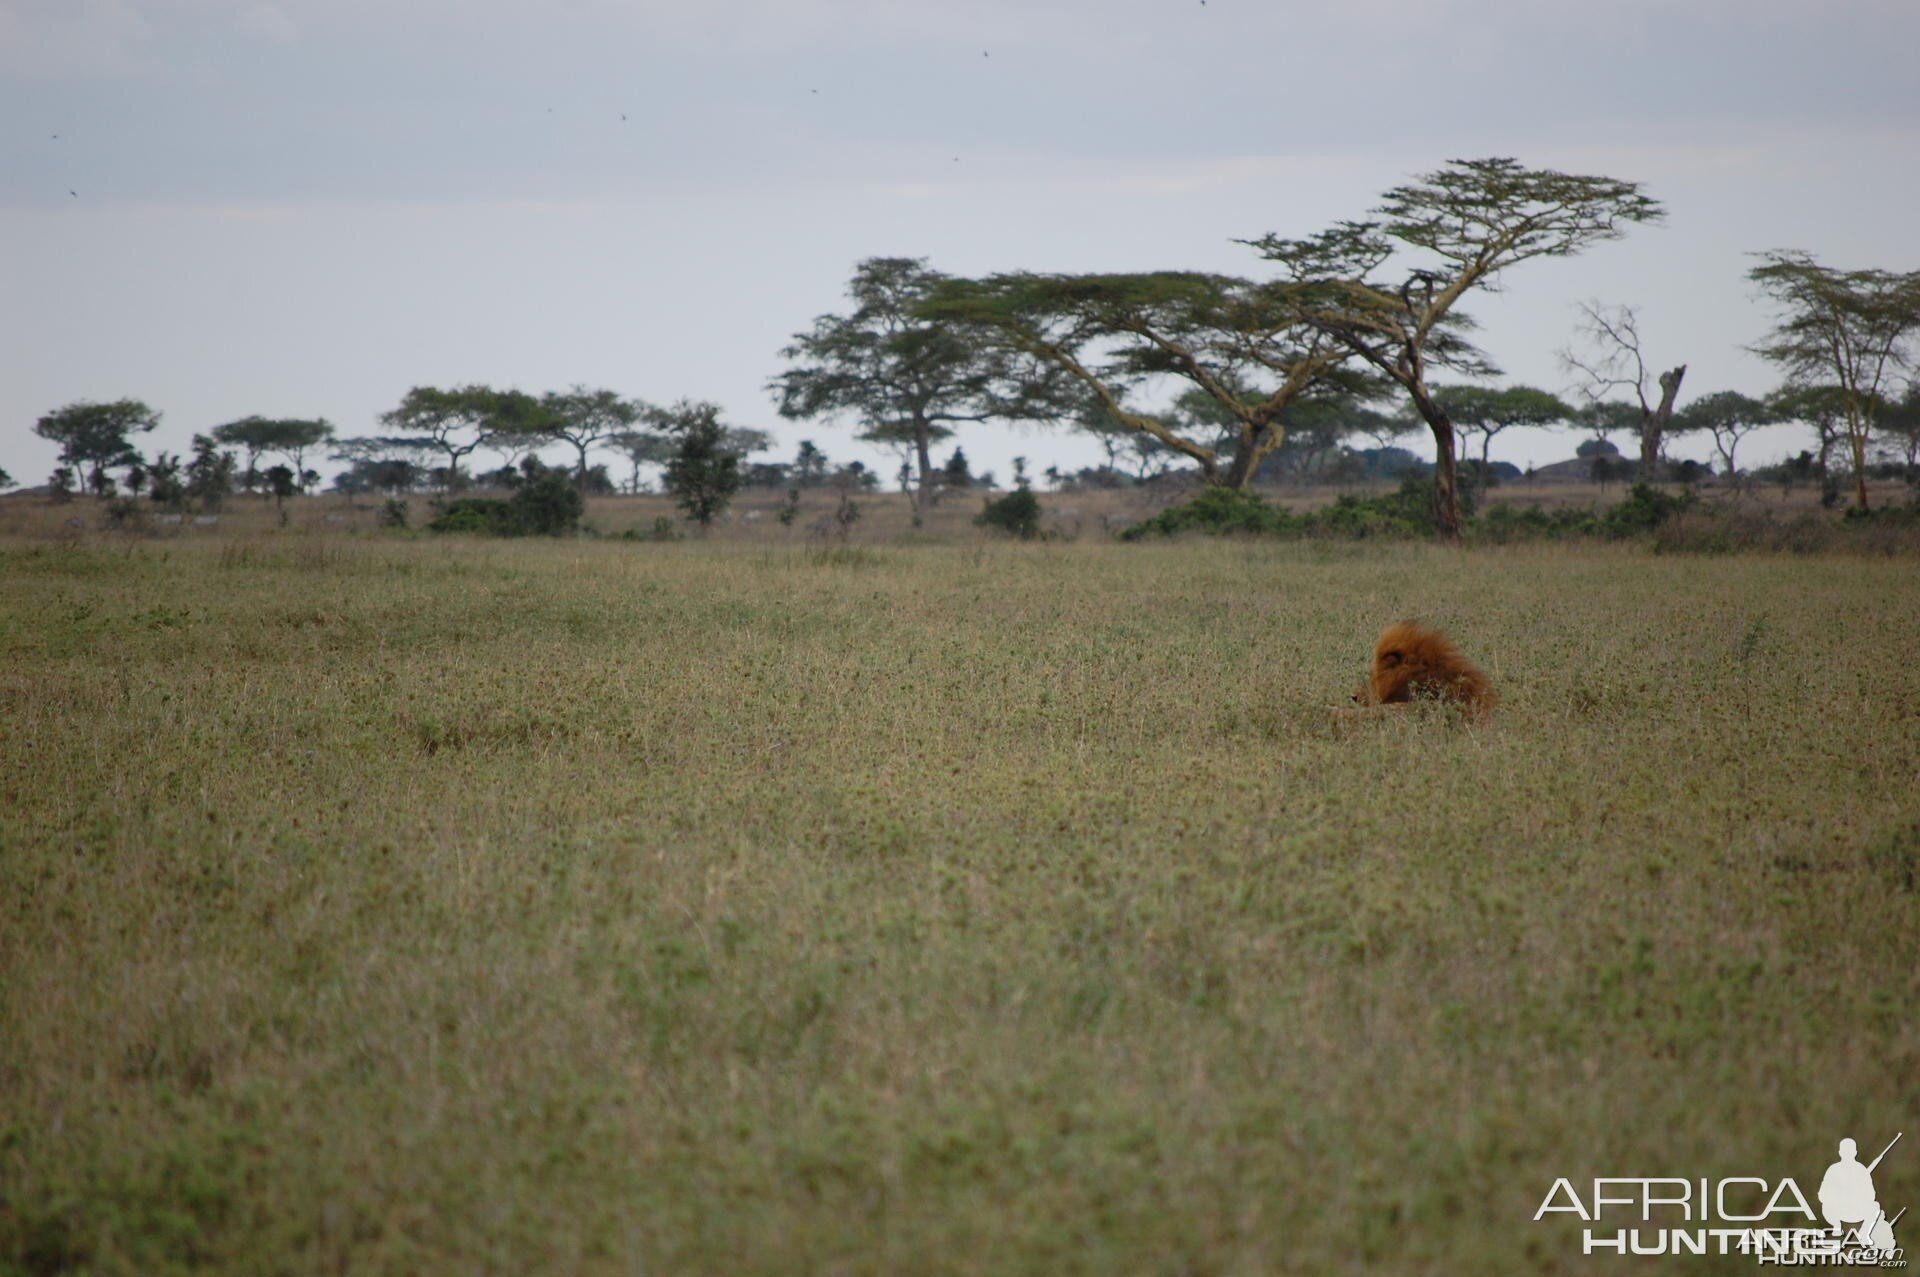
[378, 903]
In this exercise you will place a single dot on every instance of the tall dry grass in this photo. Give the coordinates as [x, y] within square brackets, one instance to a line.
[384, 905]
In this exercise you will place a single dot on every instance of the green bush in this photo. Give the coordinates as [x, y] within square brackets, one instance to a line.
[544, 506]
[1407, 511]
[1216, 512]
[1644, 510]
[1672, 522]
[1017, 513]
[1894, 516]
[547, 506]
[1504, 523]
[469, 514]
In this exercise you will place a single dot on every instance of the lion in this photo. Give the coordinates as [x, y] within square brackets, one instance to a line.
[1414, 663]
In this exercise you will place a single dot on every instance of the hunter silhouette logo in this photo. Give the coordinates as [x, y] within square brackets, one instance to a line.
[1847, 1197]
[1771, 1220]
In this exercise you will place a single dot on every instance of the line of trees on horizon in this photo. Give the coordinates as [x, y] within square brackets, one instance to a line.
[1359, 331]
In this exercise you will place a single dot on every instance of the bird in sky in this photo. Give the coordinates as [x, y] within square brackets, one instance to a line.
[73, 193]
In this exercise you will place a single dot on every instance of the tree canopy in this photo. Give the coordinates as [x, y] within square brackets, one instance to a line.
[1487, 410]
[1460, 227]
[1117, 336]
[579, 417]
[289, 437]
[906, 376]
[1851, 329]
[1729, 417]
[95, 435]
[458, 421]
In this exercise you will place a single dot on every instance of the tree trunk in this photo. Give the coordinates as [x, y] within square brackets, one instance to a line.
[1653, 426]
[1857, 448]
[1446, 488]
[923, 451]
[1240, 472]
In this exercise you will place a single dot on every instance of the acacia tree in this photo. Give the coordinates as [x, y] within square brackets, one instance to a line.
[1240, 344]
[1900, 424]
[1823, 409]
[908, 377]
[459, 421]
[641, 448]
[1853, 329]
[292, 439]
[582, 418]
[1617, 364]
[1729, 417]
[1464, 224]
[1602, 418]
[1486, 410]
[1145, 455]
[382, 463]
[93, 436]
[287, 436]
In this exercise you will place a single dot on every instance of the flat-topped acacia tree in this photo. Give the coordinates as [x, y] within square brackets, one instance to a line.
[1729, 417]
[93, 436]
[1853, 330]
[1239, 343]
[1487, 410]
[1385, 289]
[454, 422]
[580, 418]
[288, 436]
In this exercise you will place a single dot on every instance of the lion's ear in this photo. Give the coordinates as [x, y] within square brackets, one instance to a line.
[1389, 659]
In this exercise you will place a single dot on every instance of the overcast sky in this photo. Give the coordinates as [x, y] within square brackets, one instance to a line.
[303, 208]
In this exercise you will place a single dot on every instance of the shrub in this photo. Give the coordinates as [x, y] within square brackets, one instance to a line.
[1214, 511]
[394, 513]
[1017, 514]
[1504, 523]
[546, 505]
[1897, 516]
[1644, 511]
[704, 471]
[469, 514]
[1407, 511]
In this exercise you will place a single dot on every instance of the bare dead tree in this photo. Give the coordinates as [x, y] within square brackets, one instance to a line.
[1617, 364]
